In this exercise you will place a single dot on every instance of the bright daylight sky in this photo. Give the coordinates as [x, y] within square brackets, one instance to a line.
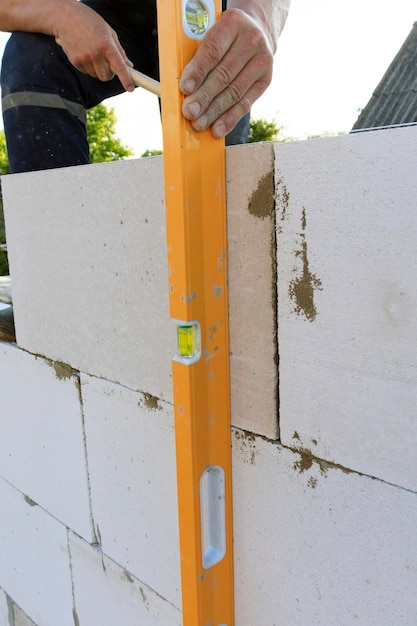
[331, 56]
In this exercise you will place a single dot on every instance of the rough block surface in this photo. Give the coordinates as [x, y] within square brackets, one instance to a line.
[252, 279]
[34, 560]
[100, 249]
[130, 443]
[42, 450]
[347, 271]
[123, 599]
[318, 545]
[4, 609]
[20, 618]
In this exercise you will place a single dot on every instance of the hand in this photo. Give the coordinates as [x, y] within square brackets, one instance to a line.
[93, 47]
[230, 70]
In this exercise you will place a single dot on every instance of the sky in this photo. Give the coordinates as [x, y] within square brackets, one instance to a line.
[330, 58]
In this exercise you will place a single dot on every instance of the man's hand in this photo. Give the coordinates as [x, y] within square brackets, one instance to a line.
[89, 42]
[92, 45]
[230, 70]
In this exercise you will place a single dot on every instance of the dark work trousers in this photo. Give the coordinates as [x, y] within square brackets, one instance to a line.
[45, 98]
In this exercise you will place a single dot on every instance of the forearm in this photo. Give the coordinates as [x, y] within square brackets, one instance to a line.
[36, 16]
[89, 42]
[271, 15]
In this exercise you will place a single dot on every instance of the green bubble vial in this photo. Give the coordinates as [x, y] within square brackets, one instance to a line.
[197, 17]
[188, 341]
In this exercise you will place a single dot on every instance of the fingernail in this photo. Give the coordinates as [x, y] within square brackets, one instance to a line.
[202, 122]
[188, 87]
[219, 130]
[194, 109]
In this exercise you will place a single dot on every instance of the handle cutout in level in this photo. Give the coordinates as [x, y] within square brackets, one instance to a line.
[213, 515]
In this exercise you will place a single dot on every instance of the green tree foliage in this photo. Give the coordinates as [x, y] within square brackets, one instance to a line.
[4, 169]
[4, 161]
[262, 130]
[151, 153]
[104, 145]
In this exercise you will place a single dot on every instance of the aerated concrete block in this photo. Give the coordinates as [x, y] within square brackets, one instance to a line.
[252, 280]
[5, 615]
[34, 559]
[105, 594]
[20, 618]
[315, 544]
[42, 450]
[90, 282]
[131, 452]
[347, 275]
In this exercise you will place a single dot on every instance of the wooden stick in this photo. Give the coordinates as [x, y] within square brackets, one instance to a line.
[148, 83]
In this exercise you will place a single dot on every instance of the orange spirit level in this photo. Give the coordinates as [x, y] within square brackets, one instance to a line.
[197, 257]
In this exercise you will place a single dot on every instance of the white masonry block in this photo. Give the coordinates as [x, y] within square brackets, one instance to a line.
[42, 450]
[34, 560]
[20, 618]
[106, 594]
[252, 281]
[5, 616]
[347, 276]
[131, 452]
[90, 283]
[318, 545]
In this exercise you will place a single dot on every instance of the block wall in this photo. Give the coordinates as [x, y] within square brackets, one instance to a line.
[322, 266]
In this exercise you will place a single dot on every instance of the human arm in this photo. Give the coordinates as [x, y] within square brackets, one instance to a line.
[233, 65]
[90, 43]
